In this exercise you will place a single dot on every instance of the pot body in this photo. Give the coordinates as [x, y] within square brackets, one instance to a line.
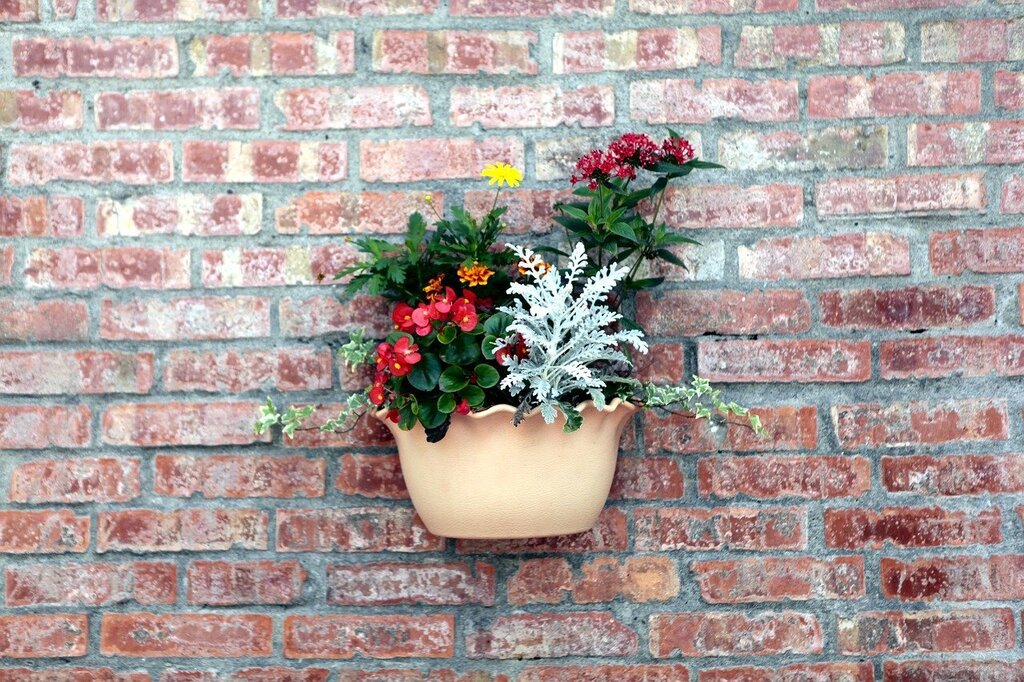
[488, 479]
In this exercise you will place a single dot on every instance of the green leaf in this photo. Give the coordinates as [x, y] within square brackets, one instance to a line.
[474, 395]
[406, 418]
[678, 239]
[552, 251]
[673, 134]
[487, 346]
[672, 258]
[583, 191]
[626, 231]
[425, 373]
[573, 418]
[430, 416]
[648, 283]
[453, 379]
[572, 224]
[497, 323]
[486, 376]
[574, 212]
[447, 334]
[464, 350]
[697, 163]
[446, 403]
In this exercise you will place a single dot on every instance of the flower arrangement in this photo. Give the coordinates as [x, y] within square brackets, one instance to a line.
[479, 322]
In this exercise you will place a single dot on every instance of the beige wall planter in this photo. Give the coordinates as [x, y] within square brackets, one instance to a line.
[488, 479]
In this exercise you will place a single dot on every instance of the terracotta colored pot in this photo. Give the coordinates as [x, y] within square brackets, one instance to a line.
[488, 479]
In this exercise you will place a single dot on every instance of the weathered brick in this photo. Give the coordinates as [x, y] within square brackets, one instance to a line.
[71, 481]
[273, 54]
[662, 7]
[851, 43]
[609, 534]
[734, 528]
[966, 356]
[734, 634]
[915, 93]
[822, 149]
[75, 674]
[118, 57]
[544, 106]
[327, 8]
[145, 583]
[239, 371]
[919, 423]
[343, 637]
[393, 583]
[737, 581]
[267, 161]
[530, 8]
[855, 254]
[232, 583]
[901, 194]
[435, 158]
[454, 52]
[552, 635]
[530, 211]
[176, 635]
[647, 49]
[238, 476]
[41, 216]
[20, 11]
[123, 267]
[647, 478]
[40, 426]
[1009, 90]
[260, 674]
[773, 477]
[934, 307]
[177, 319]
[640, 672]
[197, 530]
[176, 10]
[990, 251]
[353, 529]
[200, 215]
[32, 111]
[977, 40]
[696, 312]
[954, 474]
[43, 532]
[910, 527]
[163, 424]
[328, 213]
[128, 162]
[795, 672]
[789, 428]
[961, 144]
[960, 578]
[784, 361]
[937, 671]
[326, 314]
[367, 432]
[371, 476]
[192, 109]
[894, 632]
[379, 106]
[53, 320]
[716, 206]
[61, 372]
[683, 101]
[50, 636]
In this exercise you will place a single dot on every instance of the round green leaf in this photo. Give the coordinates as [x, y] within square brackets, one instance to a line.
[453, 379]
[487, 346]
[486, 376]
[446, 403]
[464, 350]
[447, 334]
[474, 395]
[430, 416]
[425, 373]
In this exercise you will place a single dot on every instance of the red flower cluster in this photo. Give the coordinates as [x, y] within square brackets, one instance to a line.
[459, 311]
[627, 154]
[392, 361]
[515, 346]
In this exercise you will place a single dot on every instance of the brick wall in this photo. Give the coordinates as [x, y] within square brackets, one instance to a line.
[175, 173]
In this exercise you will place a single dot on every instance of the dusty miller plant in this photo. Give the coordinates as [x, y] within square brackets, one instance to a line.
[570, 335]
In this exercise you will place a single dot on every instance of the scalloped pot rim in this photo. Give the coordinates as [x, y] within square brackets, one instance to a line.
[496, 409]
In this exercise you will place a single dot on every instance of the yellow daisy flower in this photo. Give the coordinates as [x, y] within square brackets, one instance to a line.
[474, 275]
[502, 174]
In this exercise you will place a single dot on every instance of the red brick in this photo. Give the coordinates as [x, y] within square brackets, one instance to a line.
[938, 93]
[934, 307]
[268, 161]
[733, 528]
[36, 427]
[894, 632]
[851, 43]
[901, 194]
[192, 109]
[378, 106]
[856, 254]
[544, 106]
[354, 529]
[734, 634]
[20, 11]
[167, 424]
[393, 584]
[261, 674]
[50, 636]
[979, 40]
[6, 265]
[92, 584]
[823, 149]
[646, 672]
[320, 315]
[196, 530]
[609, 534]
[954, 474]
[274, 54]
[638, 578]
[789, 428]
[41, 216]
[43, 532]
[326, 8]
[57, 372]
[716, 206]
[231, 583]
[238, 476]
[769, 579]
[664, 363]
[124, 161]
[238, 371]
[646, 49]
[540, 581]
[710, 6]
[115, 268]
[321, 213]
[32, 111]
[176, 10]
[961, 578]
[269, 266]
[724, 312]
[784, 361]
[932, 671]
[796, 672]
[64, 674]
[194, 635]
[967, 356]
[371, 476]
[1009, 90]
[919, 423]
[55, 320]
[177, 319]
[990, 251]
[1013, 195]
[454, 52]
[530, 8]
[774, 477]
[118, 57]
[910, 527]
[647, 478]
[343, 637]
[72, 481]
[367, 432]
[683, 101]
[435, 158]
[961, 144]
[201, 215]
[552, 635]
[530, 211]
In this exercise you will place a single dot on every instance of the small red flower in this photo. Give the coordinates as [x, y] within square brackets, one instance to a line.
[384, 352]
[514, 347]
[402, 317]
[405, 354]
[677, 149]
[394, 415]
[464, 314]
[377, 394]
[463, 407]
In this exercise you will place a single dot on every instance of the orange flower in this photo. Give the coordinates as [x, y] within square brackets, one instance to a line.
[474, 275]
[434, 287]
